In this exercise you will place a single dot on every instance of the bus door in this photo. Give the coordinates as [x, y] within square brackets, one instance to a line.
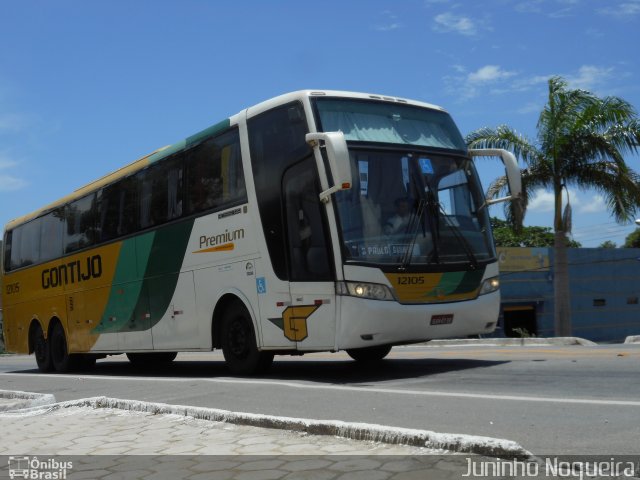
[310, 320]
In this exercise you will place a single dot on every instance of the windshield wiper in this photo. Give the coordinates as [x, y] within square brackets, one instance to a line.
[412, 229]
[424, 205]
[473, 261]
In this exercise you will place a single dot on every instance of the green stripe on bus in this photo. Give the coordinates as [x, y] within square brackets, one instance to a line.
[189, 141]
[163, 269]
[124, 296]
[208, 132]
[450, 282]
[470, 281]
[166, 152]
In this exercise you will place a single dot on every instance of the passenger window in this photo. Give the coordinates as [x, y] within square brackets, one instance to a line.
[30, 243]
[81, 224]
[51, 235]
[14, 259]
[117, 212]
[8, 247]
[215, 175]
[160, 192]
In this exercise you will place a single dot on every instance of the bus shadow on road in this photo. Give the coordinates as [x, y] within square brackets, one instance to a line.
[286, 368]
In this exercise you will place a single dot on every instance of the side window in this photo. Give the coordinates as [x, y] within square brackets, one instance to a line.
[16, 245]
[308, 251]
[81, 224]
[117, 209]
[215, 177]
[30, 243]
[8, 247]
[51, 235]
[276, 140]
[160, 192]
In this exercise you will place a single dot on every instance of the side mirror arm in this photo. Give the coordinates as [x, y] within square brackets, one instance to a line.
[513, 172]
[338, 156]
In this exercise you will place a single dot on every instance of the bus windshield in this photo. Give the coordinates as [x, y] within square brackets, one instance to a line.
[382, 122]
[414, 209]
[416, 198]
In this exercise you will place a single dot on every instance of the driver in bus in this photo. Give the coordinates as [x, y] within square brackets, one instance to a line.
[399, 222]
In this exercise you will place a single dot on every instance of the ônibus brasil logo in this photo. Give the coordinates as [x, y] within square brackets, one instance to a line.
[34, 469]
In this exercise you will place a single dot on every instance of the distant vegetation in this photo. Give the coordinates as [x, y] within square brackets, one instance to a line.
[506, 236]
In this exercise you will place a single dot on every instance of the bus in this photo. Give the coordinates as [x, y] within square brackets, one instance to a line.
[314, 221]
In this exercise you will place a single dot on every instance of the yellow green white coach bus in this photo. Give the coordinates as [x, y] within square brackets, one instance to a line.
[314, 221]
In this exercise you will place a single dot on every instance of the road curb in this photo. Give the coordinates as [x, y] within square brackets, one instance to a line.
[460, 443]
[632, 339]
[513, 342]
[19, 400]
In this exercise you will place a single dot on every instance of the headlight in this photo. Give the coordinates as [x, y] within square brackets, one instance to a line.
[373, 291]
[490, 285]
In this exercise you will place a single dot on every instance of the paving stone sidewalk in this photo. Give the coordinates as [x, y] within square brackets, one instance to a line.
[107, 431]
[110, 443]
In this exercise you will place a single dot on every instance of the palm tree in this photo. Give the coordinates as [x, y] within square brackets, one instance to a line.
[581, 142]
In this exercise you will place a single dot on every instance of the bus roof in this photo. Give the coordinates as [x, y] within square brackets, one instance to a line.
[168, 150]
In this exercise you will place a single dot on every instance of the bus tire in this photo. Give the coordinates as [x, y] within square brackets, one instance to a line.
[41, 349]
[152, 358]
[62, 361]
[369, 354]
[239, 345]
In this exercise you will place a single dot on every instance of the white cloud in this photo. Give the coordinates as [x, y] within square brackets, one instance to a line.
[589, 76]
[14, 122]
[450, 22]
[390, 23]
[531, 6]
[8, 182]
[488, 74]
[596, 204]
[623, 10]
[469, 85]
[543, 201]
[495, 80]
[388, 27]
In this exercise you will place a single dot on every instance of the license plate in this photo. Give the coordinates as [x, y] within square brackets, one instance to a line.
[442, 319]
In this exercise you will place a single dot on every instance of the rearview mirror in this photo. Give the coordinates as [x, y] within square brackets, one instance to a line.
[338, 156]
[514, 177]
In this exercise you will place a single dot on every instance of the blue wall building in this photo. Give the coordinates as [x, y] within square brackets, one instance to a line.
[604, 285]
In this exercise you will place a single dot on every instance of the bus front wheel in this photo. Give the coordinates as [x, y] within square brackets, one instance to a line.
[369, 354]
[239, 345]
[41, 349]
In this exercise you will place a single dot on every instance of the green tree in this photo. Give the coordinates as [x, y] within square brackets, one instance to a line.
[633, 239]
[608, 244]
[506, 236]
[581, 142]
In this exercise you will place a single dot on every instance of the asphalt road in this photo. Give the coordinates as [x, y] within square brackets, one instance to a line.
[552, 400]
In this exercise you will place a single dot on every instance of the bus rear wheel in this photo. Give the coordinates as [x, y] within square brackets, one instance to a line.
[369, 354]
[62, 361]
[41, 350]
[239, 345]
[151, 359]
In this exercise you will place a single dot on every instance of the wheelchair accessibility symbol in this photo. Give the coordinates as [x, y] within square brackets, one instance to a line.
[261, 285]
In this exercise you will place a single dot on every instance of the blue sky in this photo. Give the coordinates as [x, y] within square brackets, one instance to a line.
[88, 86]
